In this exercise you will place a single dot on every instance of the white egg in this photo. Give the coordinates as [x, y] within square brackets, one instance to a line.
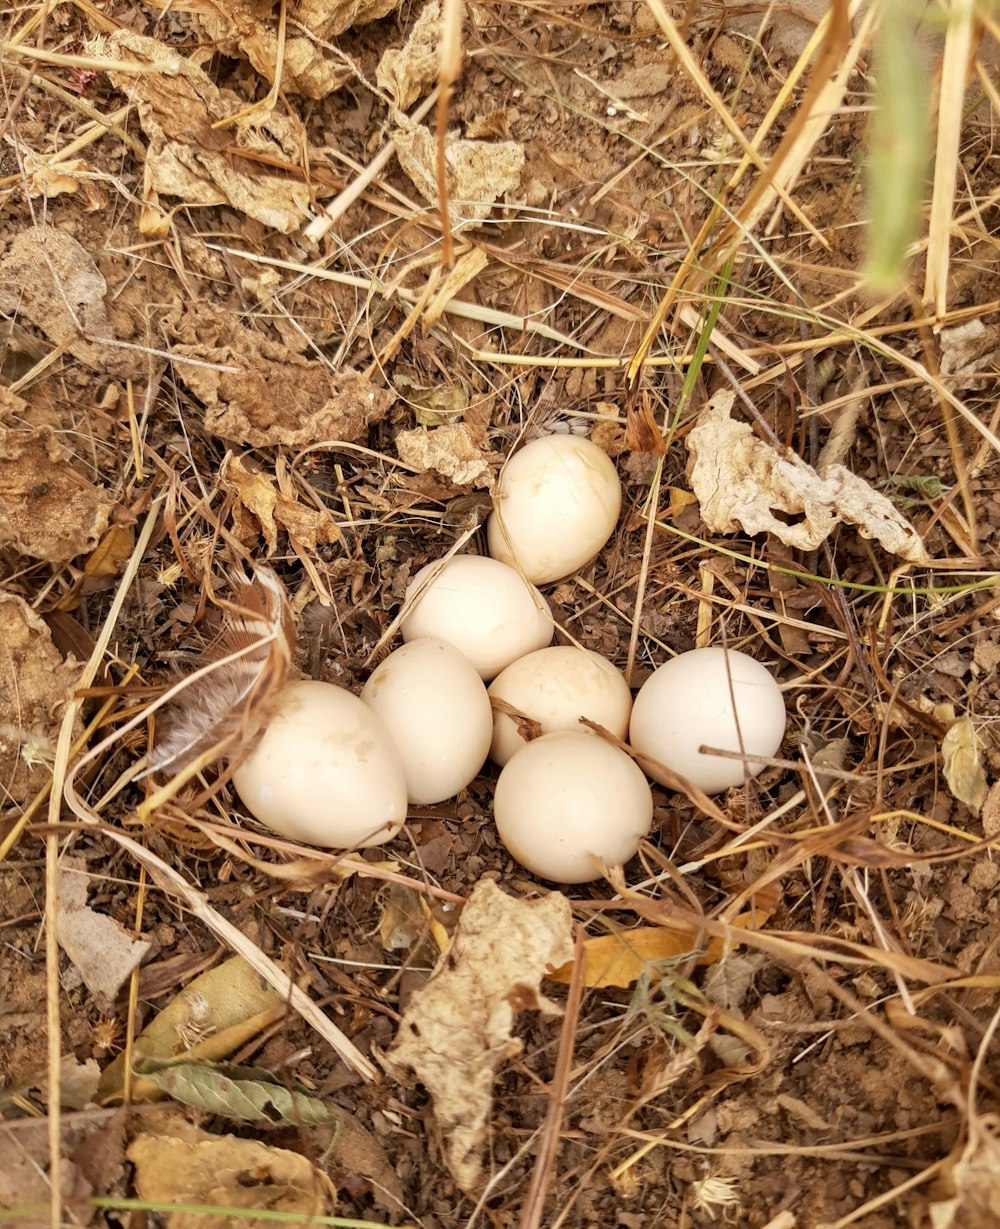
[325, 771]
[689, 702]
[567, 802]
[434, 704]
[556, 687]
[558, 502]
[481, 607]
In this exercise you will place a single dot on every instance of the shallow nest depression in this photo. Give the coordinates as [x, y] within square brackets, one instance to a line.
[242, 325]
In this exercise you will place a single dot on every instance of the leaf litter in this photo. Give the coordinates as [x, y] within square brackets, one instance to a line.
[36, 685]
[190, 1166]
[308, 67]
[599, 233]
[457, 1030]
[193, 161]
[49, 510]
[743, 483]
[101, 949]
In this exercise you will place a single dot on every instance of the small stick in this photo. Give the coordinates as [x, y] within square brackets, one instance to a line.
[334, 210]
[534, 1204]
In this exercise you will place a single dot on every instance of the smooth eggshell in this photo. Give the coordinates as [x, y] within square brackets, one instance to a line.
[556, 687]
[558, 501]
[434, 704]
[688, 702]
[567, 802]
[481, 607]
[324, 771]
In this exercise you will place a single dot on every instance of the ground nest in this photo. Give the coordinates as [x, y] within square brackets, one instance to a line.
[282, 287]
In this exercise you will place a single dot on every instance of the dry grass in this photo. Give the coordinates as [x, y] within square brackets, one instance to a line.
[717, 247]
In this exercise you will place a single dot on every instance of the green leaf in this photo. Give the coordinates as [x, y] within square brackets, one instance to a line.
[247, 1093]
[899, 144]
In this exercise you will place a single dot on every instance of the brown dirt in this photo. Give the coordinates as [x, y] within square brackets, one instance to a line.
[867, 1085]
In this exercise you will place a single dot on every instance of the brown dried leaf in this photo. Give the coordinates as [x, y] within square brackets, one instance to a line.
[100, 949]
[24, 1177]
[621, 959]
[221, 1171]
[49, 279]
[456, 1031]
[35, 687]
[963, 769]
[407, 72]
[477, 173]
[306, 527]
[47, 509]
[455, 452]
[202, 165]
[357, 1162]
[742, 482]
[277, 397]
[213, 1015]
[250, 28]
[112, 552]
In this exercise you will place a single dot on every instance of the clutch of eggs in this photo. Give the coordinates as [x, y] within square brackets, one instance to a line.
[335, 770]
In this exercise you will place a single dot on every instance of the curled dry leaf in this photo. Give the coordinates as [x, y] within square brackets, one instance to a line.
[112, 552]
[436, 405]
[48, 510]
[458, 452]
[210, 1018]
[213, 1172]
[201, 165]
[457, 1030]
[407, 72]
[970, 1198]
[478, 173]
[621, 959]
[48, 178]
[278, 397]
[245, 28]
[259, 499]
[35, 687]
[963, 769]
[249, 1094]
[742, 482]
[49, 279]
